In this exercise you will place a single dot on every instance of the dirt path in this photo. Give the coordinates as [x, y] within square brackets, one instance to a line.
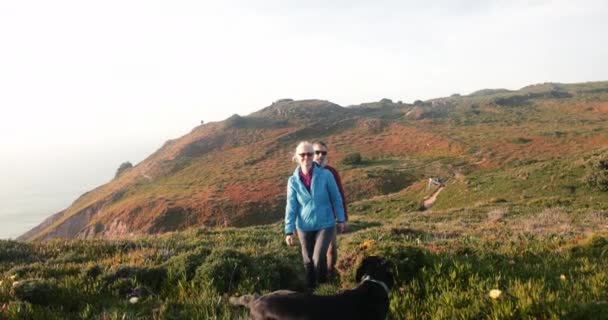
[429, 202]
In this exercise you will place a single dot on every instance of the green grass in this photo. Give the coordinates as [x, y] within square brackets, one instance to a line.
[446, 262]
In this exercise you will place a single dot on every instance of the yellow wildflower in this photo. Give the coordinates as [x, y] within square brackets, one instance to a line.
[367, 244]
[13, 277]
[562, 277]
[495, 294]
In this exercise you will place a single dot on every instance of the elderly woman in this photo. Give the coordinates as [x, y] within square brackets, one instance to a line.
[311, 194]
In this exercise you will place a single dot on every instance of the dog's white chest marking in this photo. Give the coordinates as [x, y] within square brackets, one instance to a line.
[382, 284]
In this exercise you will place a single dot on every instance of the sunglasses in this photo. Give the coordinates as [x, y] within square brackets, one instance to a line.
[321, 152]
[302, 155]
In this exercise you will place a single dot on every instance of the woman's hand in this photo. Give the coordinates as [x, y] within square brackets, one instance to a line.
[342, 227]
[289, 240]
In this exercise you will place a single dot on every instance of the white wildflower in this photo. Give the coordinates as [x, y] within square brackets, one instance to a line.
[495, 294]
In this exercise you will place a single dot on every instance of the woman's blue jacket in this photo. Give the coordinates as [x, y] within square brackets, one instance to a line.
[314, 210]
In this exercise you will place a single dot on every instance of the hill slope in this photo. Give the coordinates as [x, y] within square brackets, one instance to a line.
[526, 147]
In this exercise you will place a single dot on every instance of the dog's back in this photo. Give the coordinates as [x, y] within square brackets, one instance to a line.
[368, 301]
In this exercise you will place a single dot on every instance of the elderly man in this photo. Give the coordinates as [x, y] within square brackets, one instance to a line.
[320, 157]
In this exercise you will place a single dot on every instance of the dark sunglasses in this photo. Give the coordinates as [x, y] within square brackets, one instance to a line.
[302, 155]
[321, 152]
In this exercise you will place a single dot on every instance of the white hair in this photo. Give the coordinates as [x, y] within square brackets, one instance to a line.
[303, 145]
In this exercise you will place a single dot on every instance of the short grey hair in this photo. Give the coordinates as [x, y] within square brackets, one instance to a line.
[302, 144]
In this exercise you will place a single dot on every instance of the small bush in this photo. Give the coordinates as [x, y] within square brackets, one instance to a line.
[12, 251]
[597, 247]
[150, 276]
[92, 271]
[68, 257]
[274, 272]
[521, 140]
[588, 311]
[408, 262]
[123, 168]
[39, 292]
[184, 266]
[352, 159]
[39, 270]
[224, 270]
[597, 172]
[122, 287]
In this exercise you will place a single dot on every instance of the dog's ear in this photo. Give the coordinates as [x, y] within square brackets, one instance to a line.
[363, 269]
[368, 265]
[360, 272]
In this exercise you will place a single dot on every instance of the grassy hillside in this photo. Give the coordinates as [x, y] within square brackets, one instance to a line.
[233, 173]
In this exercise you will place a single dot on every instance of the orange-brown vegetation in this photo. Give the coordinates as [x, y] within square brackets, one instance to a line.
[234, 172]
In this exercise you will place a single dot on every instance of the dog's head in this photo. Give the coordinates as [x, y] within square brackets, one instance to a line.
[377, 268]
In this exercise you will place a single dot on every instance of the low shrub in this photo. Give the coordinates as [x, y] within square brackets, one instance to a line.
[408, 262]
[149, 276]
[184, 266]
[13, 251]
[38, 292]
[274, 272]
[588, 311]
[39, 270]
[224, 270]
[597, 172]
[92, 271]
[352, 159]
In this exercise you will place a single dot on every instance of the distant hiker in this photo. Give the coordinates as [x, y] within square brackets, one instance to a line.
[321, 158]
[312, 197]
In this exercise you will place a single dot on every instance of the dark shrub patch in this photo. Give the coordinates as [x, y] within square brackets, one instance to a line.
[68, 257]
[184, 266]
[122, 287]
[39, 270]
[152, 276]
[352, 159]
[408, 262]
[589, 311]
[39, 292]
[13, 251]
[92, 271]
[599, 247]
[274, 273]
[224, 270]
[597, 172]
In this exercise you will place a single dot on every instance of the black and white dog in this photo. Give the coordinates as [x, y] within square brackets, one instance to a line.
[369, 300]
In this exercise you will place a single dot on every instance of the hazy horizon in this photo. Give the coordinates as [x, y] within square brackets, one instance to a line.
[85, 86]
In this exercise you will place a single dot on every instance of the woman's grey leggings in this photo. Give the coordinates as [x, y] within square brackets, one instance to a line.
[314, 253]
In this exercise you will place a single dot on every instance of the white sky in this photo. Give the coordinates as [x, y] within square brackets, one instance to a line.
[84, 83]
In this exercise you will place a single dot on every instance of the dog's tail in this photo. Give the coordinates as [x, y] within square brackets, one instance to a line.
[244, 301]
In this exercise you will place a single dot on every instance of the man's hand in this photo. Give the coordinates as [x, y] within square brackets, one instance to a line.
[341, 227]
[289, 240]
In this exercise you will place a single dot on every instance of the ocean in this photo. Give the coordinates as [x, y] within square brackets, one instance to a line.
[21, 212]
